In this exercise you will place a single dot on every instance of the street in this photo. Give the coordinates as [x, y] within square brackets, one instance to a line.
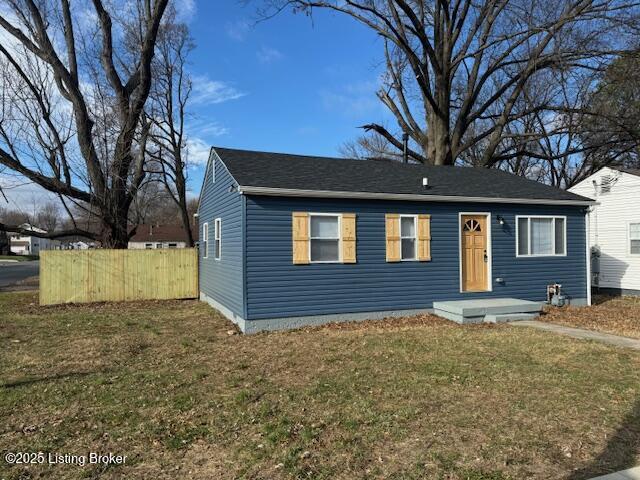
[12, 272]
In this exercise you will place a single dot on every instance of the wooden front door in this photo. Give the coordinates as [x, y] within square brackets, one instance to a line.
[474, 253]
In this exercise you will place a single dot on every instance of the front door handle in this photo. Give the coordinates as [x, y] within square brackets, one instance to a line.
[486, 258]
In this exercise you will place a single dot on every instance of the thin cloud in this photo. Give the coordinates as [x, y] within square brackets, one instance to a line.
[197, 151]
[186, 9]
[269, 55]
[354, 99]
[211, 92]
[237, 30]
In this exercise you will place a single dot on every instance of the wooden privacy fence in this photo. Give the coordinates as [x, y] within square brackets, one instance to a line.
[82, 276]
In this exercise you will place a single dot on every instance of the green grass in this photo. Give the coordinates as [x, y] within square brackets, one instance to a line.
[19, 258]
[164, 384]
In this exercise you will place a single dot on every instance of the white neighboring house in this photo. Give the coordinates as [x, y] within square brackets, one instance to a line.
[22, 244]
[614, 228]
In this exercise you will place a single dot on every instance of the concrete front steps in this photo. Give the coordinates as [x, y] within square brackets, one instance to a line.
[490, 310]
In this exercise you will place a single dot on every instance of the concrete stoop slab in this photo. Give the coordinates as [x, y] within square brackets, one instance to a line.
[510, 317]
[487, 310]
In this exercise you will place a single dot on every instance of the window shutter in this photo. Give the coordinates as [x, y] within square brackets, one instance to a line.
[392, 226]
[348, 238]
[424, 238]
[300, 232]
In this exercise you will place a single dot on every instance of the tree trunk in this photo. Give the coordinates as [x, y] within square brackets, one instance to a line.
[181, 190]
[5, 248]
[187, 224]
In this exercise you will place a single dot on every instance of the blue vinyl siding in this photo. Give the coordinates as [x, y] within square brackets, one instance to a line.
[276, 288]
[222, 280]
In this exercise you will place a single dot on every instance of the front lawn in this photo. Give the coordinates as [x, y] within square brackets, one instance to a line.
[616, 315]
[167, 385]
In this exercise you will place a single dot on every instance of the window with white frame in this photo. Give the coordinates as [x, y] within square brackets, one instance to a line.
[634, 238]
[217, 235]
[408, 237]
[205, 240]
[324, 240]
[541, 236]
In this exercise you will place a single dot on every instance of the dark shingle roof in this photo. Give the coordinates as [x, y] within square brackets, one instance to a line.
[161, 233]
[285, 171]
[632, 171]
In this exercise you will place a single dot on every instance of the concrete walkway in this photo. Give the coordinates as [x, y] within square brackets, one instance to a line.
[631, 474]
[583, 334]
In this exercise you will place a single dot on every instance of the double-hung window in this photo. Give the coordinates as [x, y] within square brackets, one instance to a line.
[541, 236]
[217, 236]
[408, 237]
[205, 240]
[324, 238]
[634, 238]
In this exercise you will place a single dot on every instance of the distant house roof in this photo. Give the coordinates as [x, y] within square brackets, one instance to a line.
[33, 228]
[298, 175]
[632, 171]
[160, 233]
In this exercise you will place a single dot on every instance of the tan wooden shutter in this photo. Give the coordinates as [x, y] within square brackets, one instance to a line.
[424, 238]
[300, 233]
[392, 227]
[348, 238]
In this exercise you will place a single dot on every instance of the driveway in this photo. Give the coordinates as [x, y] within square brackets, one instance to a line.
[13, 272]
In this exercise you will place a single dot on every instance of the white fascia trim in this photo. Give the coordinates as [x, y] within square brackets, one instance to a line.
[292, 192]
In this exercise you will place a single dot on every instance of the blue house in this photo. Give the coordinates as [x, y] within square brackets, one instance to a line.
[292, 240]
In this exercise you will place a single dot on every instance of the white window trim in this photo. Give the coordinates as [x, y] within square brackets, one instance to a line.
[489, 250]
[415, 238]
[205, 235]
[629, 239]
[339, 215]
[213, 170]
[553, 236]
[217, 237]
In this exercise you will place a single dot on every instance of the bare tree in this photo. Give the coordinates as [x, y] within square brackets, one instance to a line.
[48, 217]
[72, 102]
[457, 72]
[612, 127]
[168, 110]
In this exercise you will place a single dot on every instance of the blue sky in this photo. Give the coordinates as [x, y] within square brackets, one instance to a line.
[287, 84]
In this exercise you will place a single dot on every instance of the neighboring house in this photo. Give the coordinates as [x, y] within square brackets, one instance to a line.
[289, 240]
[22, 244]
[614, 226]
[77, 245]
[158, 236]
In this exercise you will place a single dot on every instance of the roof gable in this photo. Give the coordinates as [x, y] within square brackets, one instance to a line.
[262, 171]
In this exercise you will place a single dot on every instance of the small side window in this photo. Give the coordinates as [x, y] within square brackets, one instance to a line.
[408, 232]
[205, 240]
[634, 238]
[217, 236]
